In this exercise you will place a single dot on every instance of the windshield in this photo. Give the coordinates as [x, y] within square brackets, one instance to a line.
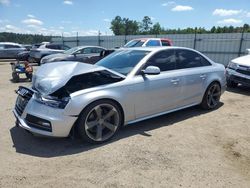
[72, 50]
[134, 43]
[123, 61]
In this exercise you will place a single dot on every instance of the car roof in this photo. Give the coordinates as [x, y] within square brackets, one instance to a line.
[156, 48]
[151, 39]
[89, 47]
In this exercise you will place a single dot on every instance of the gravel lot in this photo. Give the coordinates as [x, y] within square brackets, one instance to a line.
[190, 148]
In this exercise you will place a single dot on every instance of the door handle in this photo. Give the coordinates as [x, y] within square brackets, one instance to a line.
[203, 76]
[175, 81]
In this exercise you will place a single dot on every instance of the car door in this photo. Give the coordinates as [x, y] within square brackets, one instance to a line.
[157, 93]
[89, 55]
[192, 68]
[10, 50]
[83, 54]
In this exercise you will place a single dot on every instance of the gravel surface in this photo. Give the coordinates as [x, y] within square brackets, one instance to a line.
[189, 148]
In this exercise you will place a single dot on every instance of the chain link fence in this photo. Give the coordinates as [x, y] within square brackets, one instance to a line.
[220, 47]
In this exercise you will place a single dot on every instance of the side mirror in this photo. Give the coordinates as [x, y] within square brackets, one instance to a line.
[248, 50]
[151, 70]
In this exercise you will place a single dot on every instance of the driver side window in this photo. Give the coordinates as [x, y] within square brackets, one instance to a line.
[165, 60]
[86, 51]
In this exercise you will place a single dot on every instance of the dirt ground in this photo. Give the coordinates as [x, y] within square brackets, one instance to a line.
[189, 148]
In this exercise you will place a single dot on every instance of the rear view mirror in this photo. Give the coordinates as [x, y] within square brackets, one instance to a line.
[152, 70]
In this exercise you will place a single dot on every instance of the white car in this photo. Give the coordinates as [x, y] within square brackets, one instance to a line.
[238, 71]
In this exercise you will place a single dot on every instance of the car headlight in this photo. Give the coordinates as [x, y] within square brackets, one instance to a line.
[52, 101]
[232, 65]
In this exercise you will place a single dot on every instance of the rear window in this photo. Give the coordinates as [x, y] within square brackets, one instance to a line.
[53, 46]
[153, 43]
[165, 43]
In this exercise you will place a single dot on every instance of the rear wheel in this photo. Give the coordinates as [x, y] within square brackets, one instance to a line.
[211, 98]
[99, 121]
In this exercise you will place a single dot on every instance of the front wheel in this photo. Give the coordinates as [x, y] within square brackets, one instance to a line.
[99, 121]
[211, 98]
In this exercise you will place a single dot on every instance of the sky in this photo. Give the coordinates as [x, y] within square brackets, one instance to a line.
[88, 17]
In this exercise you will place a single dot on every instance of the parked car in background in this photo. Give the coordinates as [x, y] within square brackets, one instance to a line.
[145, 42]
[44, 49]
[28, 46]
[9, 50]
[86, 54]
[127, 86]
[238, 71]
[25, 55]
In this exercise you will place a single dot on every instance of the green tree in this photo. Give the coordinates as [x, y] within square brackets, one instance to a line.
[117, 26]
[146, 25]
[156, 29]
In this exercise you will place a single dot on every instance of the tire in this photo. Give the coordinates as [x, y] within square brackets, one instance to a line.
[211, 97]
[99, 121]
[231, 84]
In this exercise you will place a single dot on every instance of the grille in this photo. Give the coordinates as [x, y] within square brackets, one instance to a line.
[246, 72]
[242, 80]
[24, 95]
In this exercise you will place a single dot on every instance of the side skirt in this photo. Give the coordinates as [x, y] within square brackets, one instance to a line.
[159, 114]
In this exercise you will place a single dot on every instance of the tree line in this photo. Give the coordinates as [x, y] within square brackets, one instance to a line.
[23, 38]
[125, 26]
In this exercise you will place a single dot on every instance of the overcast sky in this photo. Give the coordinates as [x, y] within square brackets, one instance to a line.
[87, 17]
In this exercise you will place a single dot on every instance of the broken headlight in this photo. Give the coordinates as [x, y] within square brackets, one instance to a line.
[52, 101]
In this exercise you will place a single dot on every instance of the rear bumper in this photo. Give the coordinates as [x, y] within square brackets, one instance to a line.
[236, 77]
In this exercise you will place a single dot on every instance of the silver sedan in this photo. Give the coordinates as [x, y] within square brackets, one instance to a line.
[127, 86]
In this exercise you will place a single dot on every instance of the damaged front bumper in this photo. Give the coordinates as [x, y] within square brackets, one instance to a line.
[238, 76]
[39, 118]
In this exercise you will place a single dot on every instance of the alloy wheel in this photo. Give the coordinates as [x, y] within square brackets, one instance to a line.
[213, 96]
[102, 122]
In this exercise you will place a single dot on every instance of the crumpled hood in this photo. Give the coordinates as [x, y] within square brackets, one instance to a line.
[51, 77]
[244, 60]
